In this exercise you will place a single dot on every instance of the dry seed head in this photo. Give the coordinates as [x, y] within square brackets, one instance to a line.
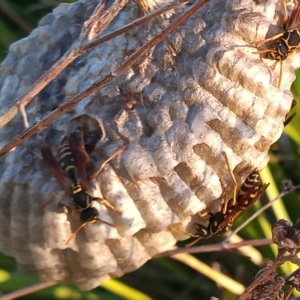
[294, 279]
[199, 92]
[271, 287]
[286, 235]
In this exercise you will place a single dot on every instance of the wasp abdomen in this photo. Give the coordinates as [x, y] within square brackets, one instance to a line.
[80, 198]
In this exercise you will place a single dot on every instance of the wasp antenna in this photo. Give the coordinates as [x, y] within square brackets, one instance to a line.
[107, 223]
[118, 152]
[174, 229]
[270, 39]
[264, 51]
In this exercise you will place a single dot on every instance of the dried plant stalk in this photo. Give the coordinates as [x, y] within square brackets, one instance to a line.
[198, 93]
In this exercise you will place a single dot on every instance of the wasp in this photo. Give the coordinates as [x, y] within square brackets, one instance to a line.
[232, 208]
[284, 43]
[72, 175]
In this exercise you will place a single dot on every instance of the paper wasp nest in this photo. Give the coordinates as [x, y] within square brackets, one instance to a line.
[198, 93]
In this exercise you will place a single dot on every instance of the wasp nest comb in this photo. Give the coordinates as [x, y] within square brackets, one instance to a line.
[198, 93]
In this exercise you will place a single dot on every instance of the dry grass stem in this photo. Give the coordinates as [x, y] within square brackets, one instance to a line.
[216, 247]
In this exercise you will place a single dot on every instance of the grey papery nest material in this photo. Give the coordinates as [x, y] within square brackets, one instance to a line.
[199, 92]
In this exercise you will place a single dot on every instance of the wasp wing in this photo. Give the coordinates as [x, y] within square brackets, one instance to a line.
[244, 204]
[81, 158]
[54, 167]
[294, 21]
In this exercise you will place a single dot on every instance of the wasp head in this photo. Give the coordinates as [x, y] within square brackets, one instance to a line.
[278, 51]
[89, 215]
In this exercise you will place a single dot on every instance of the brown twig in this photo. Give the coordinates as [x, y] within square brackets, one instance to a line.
[289, 293]
[145, 5]
[27, 290]
[216, 247]
[131, 25]
[78, 49]
[57, 68]
[292, 258]
[94, 25]
[128, 62]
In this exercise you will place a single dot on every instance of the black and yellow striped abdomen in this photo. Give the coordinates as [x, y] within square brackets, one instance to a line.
[81, 199]
[67, 161]
[249, 188]
[247, 193]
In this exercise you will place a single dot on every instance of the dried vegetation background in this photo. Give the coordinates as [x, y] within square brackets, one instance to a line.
[183, 277]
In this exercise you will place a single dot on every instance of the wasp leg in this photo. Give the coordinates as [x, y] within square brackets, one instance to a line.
[224, 198]
[75, 233]
[118, 152]
[105, 202]
[194, 242]
[235, 184]
[38, 155]
[289, 119]
[224, 203]
[108, 205]
[82, 225]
